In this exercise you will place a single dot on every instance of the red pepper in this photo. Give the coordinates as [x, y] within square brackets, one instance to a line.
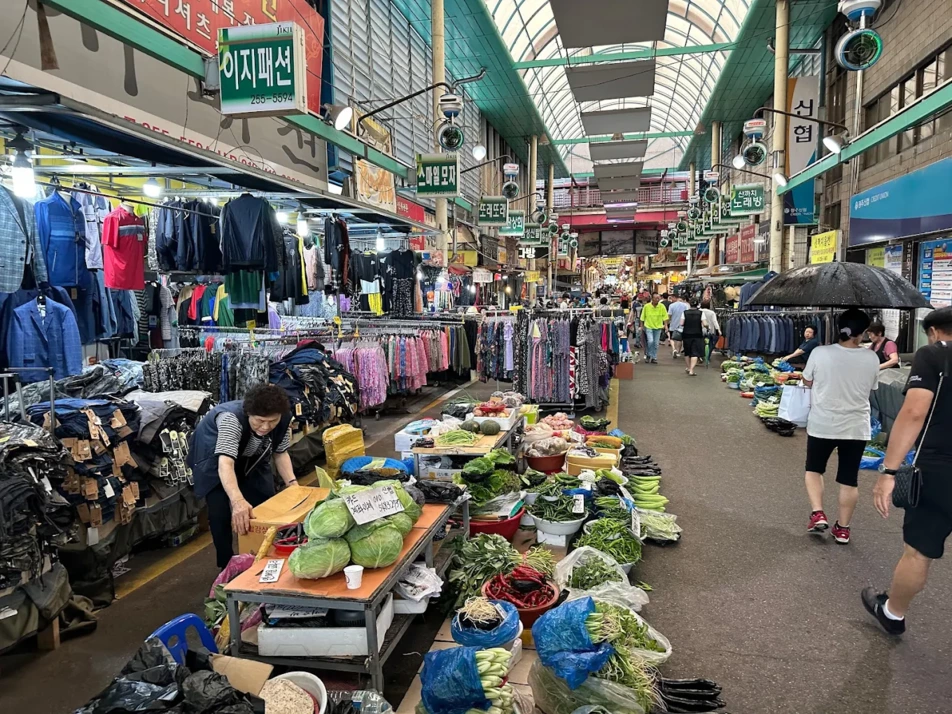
[500, 588]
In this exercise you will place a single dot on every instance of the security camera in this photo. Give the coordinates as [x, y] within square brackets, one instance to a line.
[694, 213]
[510, 189]
[450, 137]
[539, 216]
[664, 243]
[682, 227]
[861, 47]
[754, 153]
[451, 105]
[712, 195]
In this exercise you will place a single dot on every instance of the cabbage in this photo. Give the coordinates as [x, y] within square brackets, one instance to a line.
[376, 544]
[410, 507]
[402, 522]
[330, 519]
[319, 557]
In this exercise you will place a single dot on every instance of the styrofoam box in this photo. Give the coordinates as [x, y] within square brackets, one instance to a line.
[322, 641]
[505, 423]
[404, 441]
[409, 607]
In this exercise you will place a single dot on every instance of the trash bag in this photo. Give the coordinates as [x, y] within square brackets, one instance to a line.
[505, 632]
[451, 683]
[551, 695]
[871, 463]
[564, 645]
[209, 692]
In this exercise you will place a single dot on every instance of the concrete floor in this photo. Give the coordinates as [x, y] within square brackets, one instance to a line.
[747, 598]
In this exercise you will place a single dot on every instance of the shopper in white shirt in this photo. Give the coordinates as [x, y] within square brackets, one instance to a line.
[841, 377]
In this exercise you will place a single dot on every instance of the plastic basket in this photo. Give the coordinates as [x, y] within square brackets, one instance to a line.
[507, 528]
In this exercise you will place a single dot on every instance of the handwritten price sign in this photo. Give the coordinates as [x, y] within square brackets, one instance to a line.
[372, 504]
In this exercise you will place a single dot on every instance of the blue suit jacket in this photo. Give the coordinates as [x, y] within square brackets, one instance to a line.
[52, 341]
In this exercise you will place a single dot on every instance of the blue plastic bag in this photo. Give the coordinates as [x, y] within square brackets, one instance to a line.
[875, 427]
[356, 463]
[506, 631]
[564, 645]
[451, 683]
[617, 433]
[871, 463]
[910, 457]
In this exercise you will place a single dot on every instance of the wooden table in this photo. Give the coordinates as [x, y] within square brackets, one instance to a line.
[480, 448]
[332, 592]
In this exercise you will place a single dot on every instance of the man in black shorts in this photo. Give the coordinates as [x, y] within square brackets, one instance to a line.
[926, 527]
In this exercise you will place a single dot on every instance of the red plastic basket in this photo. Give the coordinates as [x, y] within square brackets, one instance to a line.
[507, 528]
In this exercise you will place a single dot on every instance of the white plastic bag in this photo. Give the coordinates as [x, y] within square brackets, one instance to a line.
[795, 404]
[619, 592]
[419, 582]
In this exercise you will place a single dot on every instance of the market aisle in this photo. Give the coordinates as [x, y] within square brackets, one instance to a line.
[748, 598]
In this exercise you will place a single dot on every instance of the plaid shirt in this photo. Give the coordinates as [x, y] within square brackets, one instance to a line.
[18, 243]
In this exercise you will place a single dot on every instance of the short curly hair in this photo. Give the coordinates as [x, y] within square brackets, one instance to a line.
[266, 400]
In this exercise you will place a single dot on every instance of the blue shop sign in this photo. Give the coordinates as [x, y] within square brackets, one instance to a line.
[910, 205]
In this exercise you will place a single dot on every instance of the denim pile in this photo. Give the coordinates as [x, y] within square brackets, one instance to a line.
[106, 481]
[321, 391]
[113, 376]
[31, 516]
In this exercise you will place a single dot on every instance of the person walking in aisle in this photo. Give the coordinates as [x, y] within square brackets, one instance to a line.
[799, 357]
[712, 329]
[230, 456]
[675, 311]
[841, 377]
[927, 405]
[886, 350]
[692, 327]
[653, 317]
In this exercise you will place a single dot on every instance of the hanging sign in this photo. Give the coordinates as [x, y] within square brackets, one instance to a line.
[532, 276]
[262, 70]
[516, 226]
[823, 247]
[481, 275]
[533, 235]
[437, 175]
[493, 211]
[747, 199]
[726, 218]
[732, 250]
[748, 249]
[801, 147]
[712, 176]
[510, 170]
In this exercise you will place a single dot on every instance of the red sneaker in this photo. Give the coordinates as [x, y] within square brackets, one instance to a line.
[818, 522]
[841, 534]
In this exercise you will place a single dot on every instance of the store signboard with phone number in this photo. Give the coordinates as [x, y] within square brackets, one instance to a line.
[935, 271]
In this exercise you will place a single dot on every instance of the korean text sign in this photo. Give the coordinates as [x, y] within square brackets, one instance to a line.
[747, 199]
[437, 175]
[198, 22]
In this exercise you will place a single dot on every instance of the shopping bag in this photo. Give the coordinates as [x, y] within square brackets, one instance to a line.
[795, 405]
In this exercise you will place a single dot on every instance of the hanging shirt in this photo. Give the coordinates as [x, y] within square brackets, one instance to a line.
[95, 210]
[61, 228]
[124, 243]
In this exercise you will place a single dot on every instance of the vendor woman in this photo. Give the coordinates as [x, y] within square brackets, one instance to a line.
[231, 455]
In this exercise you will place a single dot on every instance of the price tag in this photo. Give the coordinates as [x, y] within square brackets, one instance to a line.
[373, 503]
[271, 572]
[109, 490]
[636, 523]
[578, 503]
[92, 536]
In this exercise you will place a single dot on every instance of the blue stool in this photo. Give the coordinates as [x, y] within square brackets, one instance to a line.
[173, 635]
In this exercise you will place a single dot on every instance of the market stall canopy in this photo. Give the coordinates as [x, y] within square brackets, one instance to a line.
[840, 285]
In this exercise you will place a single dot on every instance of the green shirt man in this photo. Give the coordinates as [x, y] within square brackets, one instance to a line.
[653, 316]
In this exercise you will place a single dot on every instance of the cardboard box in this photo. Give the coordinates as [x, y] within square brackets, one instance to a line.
[625, 370]
[322, 641]
[289, 506]
[245, 675]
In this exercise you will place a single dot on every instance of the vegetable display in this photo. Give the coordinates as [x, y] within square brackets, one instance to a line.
[612, 537]
[556, 484]
[590, 423]
[558, 511]
[376, 544]
[541, 559]
[644, 491]
[591, 573]
[320, 558]
[659, 526]
[604, 442]
[329, 519]
[612, 507]
[477, 560]
[524, 587]
[493, 666]
[457, 437]
[559, 421]
[490, 428]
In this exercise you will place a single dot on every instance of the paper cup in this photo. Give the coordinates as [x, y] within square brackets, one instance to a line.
[354, 574]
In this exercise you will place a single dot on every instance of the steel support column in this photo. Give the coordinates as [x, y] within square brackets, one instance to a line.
[438, 37]
[781, 69]
[549, 208]
[713, 247]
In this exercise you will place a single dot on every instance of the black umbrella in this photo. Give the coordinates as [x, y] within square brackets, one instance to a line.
[840, 285]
